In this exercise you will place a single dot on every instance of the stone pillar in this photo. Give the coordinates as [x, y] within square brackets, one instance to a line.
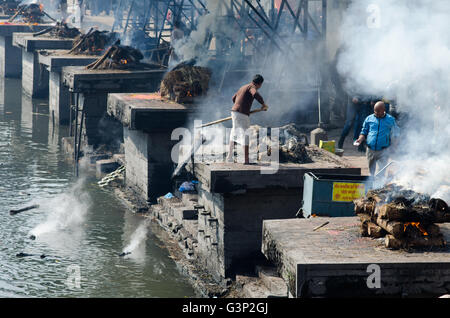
[148, 162]
[35, 77]
[10, 58]
[230, 226]
[59, 99]
[98, 127]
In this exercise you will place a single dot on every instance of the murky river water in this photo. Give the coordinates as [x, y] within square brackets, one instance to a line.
[78, 227]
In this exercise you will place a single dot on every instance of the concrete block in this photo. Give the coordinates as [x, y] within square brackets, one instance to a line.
[106, 166]
[10, 58]
[59, 99]
[275, 284]
[35, 78]
[317, 135]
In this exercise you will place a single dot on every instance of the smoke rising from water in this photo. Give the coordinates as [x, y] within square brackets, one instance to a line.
[66, 211]
[138, 237]
[401, 49]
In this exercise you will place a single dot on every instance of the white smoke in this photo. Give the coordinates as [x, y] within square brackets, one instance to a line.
[66, 211]
[401, 49]
[194, 45]
[138, 237]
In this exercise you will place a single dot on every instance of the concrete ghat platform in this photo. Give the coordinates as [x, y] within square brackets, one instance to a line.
[31, 43]
[148, 123]
[147, 112]
[333, 260]
[59, 96]
[227, 177]
[81, 80]
[11, 56]
[236, 199]
[93, 87]
[35, 78]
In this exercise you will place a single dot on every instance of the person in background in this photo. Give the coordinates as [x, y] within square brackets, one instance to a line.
[378, 131]
[358, 108]
[177, 35]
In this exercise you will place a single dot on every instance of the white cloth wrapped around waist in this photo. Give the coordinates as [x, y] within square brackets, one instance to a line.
[241, 123]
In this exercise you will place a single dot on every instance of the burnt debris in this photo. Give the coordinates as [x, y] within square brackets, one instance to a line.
[60, 30]
[94, 42]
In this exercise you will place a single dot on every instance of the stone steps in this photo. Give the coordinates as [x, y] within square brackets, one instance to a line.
[267, 284]
[180, 219]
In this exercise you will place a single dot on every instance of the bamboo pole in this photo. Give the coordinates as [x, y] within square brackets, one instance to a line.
[226, 119]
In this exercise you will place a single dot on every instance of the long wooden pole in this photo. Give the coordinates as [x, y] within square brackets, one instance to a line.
[226, 119]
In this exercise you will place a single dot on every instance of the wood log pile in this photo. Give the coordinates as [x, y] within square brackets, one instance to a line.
[60, 30]
[30, 13]
[119, 57]
[93, 42]
[185, 82]
[405, 219]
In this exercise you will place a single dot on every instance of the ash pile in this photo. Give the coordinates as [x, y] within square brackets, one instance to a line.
[31, 13]
[120, 57]
[185, 82]
[60, 30]
[292, 144]
[406, 219]
[9, 7]
[93, 42]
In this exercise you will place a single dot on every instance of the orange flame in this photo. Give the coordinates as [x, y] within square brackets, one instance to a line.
[123, 61]
[415, 224]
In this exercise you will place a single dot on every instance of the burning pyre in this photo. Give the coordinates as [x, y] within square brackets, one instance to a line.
[185, 82]
[93, 42]
[30, 13]
[405, 218]
[119, 57]
[60, 30]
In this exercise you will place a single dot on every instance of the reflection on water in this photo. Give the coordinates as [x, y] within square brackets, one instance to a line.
[76, 225]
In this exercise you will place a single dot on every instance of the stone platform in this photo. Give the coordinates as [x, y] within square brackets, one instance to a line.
[59, 96]
[81, 80]
[35, 78]
[334, 260]
[11, 56]
[237, 198]
[92, 88]
[148, 123]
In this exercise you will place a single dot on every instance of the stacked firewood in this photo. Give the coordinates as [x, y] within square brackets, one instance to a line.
[119, 57]
[60, 30]
[30, 13]
[405, 219]
[94, 42]
[185, 82]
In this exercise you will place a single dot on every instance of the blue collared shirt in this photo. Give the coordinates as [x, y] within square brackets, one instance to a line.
[378, 131]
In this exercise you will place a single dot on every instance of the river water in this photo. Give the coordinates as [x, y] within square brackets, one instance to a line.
[79, 227]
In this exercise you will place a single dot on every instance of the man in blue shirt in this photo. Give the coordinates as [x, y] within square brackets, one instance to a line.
[377, 131]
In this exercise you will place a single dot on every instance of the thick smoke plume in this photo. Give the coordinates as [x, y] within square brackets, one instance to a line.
[401, 49]
[66, 211]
